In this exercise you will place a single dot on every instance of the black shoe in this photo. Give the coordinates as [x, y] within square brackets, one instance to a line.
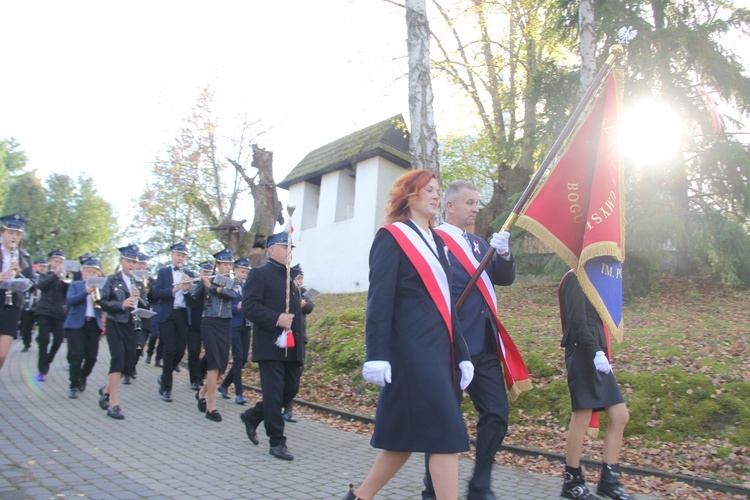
[480, 495]
[240, 399]
[40, 377]
[575, 487]
[350, 494]
[201, 403]
[82, 385]
[214, 415]
[224, 392]
[103, 399]
[177, 369]
[195, 386]
[609, 484]
[158, 363]
[73, 394]
[282, 452]
[167, 396]
[252, 434]
[161, 389]
[126, 380]
[287, 415]
[25, 349]
[116, 413]
[148, 359]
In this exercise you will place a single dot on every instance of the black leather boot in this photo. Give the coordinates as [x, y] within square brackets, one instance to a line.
[609, 484]
[574, 485]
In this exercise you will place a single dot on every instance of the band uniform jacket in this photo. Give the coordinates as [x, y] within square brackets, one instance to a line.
[24, 262]
[162, 292]
[263, 300]
[216, 304]
[114, 292]
[76, 299]
[475, 311]
[418, 411]
[52, 300]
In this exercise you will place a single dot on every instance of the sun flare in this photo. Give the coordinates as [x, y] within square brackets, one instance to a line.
[650, 132]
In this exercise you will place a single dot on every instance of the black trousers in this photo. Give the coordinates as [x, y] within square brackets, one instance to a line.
[279, 382]
[48, 326]
[153, 337]
[173, 334]
[28, 318]
[194, 354]
[487, 392]
[240, 350]
[83, 348]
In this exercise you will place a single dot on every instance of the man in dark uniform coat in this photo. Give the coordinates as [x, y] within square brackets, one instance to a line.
[31, 302]
[172, 315]
[264, 303]
[51, 312]
[487, 390]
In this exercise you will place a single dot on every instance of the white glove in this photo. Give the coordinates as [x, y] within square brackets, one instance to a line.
[500, 241]
[377, 372]
[467, 373]
[601, 362]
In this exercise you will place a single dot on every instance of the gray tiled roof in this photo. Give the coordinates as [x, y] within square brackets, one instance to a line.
[389, 139]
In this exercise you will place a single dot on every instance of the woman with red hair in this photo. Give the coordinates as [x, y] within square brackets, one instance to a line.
[414, 342]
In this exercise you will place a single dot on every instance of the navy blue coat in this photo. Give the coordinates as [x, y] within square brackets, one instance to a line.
[162, 293]
[418, 411]
[76, 299]
[474, 310]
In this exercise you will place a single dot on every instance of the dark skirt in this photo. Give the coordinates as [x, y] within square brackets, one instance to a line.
[216, 334]
[122, 341]
[589, 388]
[9, 319]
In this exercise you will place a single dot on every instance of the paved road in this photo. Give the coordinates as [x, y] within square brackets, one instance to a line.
[55, 447]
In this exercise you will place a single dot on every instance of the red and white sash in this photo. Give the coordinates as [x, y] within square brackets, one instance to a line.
[516, 375]
[428, 266]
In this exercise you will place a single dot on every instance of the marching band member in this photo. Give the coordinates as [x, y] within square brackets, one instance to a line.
[196, 365]
[145, 332]
[121, 294]
[307, 308]
[216, 330]
[414, 342]
[14, 262]
[83, 327]
[31, 302]
[240, 338]
[171, 288]
[51, 311]
[264, 302]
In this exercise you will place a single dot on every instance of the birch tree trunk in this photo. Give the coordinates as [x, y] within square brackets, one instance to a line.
[588, 43]
[423, 143]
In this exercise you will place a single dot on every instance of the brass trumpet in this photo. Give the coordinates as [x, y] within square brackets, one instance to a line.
[67, 277]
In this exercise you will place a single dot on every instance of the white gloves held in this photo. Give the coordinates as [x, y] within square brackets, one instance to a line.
[377, 372]
[500, 242]
[601, 362]
[467, 373]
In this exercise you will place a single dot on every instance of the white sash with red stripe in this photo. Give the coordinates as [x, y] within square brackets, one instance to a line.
[428, 266]
[516, 374]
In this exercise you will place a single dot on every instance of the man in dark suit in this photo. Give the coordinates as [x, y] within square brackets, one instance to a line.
[83, 327]
[487, 390]
[28, 314]
[264, 303]
[172, 315]
[51, 312]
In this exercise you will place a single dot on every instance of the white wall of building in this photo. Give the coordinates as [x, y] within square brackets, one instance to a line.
[336, 222]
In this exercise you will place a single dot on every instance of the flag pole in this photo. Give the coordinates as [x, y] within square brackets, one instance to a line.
[290, 250]
[615, 51]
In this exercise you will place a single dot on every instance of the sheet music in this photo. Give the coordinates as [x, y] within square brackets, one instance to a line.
[95, 281]
[226, 282]
[16, 285]
[310, 294]
[70, 265]
[143, 313]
